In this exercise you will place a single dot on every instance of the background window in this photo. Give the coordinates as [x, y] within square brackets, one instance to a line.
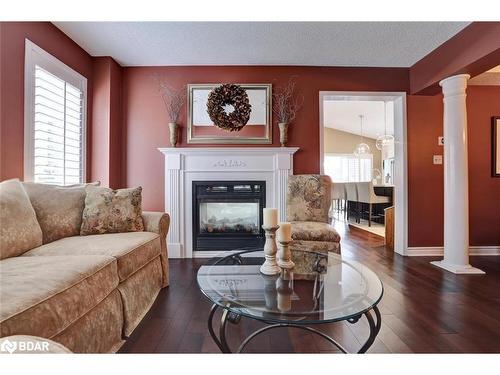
[55, 126]
[348, 167]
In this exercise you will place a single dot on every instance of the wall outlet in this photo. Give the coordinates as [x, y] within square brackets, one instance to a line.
[441, 141]
[437, 159]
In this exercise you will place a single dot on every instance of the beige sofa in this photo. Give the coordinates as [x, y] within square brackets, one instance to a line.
[86, 292]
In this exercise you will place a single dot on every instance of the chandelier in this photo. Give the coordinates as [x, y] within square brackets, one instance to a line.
[362, 148]
[385, 139]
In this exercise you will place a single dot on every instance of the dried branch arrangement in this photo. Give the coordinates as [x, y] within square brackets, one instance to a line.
[286, 103]
[173, 98]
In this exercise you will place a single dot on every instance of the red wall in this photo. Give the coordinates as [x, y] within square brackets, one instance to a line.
[48, 37]
[99, 171]
[146, 120]
[106, 142]
[425, 180]
[483, 102]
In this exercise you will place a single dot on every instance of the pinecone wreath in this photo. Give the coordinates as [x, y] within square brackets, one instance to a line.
[229, 94]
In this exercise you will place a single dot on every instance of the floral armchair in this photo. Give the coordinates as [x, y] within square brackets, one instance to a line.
[308, 203]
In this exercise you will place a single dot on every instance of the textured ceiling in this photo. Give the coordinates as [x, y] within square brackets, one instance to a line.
[376, 44]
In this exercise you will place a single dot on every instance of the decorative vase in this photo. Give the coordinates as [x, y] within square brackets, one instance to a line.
[283, 126]
[172, 126]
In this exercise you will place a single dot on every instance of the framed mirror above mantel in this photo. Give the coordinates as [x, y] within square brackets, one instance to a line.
[201, 129]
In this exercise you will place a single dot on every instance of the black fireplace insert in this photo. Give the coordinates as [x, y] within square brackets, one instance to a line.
[227, 215]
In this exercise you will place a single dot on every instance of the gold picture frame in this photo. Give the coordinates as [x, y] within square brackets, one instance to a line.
[200, 129]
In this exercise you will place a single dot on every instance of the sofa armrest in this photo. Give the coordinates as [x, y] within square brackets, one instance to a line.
[159, 222]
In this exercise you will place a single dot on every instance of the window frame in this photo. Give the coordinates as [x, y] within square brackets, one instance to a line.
[34, 55]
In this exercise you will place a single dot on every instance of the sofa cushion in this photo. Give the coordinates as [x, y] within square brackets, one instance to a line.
[132, 250]
[58, 209]
[112, 211]
[19, 229]
[41, 296]
[314, 231]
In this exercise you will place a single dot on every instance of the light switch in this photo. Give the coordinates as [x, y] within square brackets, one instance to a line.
[437, 159]
[441, 141]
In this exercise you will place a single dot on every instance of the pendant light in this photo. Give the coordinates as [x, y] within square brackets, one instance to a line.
[386, 139]
[362, 148]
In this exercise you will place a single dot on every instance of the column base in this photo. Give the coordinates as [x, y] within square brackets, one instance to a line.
[457, 268]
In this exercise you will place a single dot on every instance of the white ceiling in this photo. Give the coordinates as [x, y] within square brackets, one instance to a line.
[376, 44]
[344, 115]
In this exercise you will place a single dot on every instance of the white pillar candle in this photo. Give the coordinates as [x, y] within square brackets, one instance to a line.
[270, 217]
[284, 233]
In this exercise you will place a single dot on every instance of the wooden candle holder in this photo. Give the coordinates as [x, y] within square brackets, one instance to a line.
[270, 266]
[285, 255]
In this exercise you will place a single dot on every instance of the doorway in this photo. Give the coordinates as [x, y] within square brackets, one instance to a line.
[348, 119]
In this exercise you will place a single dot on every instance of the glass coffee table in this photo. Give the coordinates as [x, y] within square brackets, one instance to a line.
[322, 288]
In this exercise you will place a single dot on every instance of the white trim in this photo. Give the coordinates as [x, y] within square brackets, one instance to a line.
[439, 251]
[33, 56]
[400, 154]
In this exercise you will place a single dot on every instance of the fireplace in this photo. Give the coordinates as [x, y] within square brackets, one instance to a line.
[227, 215]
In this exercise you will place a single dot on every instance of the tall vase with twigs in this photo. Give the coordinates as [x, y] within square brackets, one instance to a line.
[174, 99]
[286, 104]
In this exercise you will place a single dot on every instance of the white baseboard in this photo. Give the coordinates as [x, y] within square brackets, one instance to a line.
[439, 251]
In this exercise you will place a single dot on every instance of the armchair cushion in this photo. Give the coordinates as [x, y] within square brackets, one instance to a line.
[314, 231]
[308, 198]
[19, 229]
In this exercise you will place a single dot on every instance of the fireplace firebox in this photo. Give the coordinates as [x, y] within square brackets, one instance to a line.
[228, 214]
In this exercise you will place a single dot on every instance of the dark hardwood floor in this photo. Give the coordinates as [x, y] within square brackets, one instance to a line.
[424, 310]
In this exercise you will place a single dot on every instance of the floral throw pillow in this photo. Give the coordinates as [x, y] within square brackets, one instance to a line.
[112, 211]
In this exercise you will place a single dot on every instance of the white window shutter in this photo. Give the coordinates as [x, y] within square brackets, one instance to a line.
[55, 120]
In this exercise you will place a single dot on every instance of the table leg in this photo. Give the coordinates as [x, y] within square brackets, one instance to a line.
[374, 328]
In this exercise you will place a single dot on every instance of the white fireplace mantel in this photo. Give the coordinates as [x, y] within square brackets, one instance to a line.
[185, 165]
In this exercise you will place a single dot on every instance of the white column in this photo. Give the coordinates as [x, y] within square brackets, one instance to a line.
[456, 184]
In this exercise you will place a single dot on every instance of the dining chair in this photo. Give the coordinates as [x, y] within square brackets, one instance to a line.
[338, 197]
[351, 196]
[366, 194]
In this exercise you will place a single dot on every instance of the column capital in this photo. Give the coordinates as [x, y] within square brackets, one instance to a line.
[454, 85]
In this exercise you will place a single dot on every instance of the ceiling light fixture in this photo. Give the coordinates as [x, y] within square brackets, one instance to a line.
[362, 148]
[386, 139]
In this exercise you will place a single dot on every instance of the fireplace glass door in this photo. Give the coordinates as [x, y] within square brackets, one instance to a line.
[227, 214]
[229, 217]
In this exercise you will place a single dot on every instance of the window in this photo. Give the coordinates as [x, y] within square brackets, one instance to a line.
[55, 105]
[348, 167]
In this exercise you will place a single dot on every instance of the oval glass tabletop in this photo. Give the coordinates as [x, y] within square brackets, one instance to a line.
[321, 288]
